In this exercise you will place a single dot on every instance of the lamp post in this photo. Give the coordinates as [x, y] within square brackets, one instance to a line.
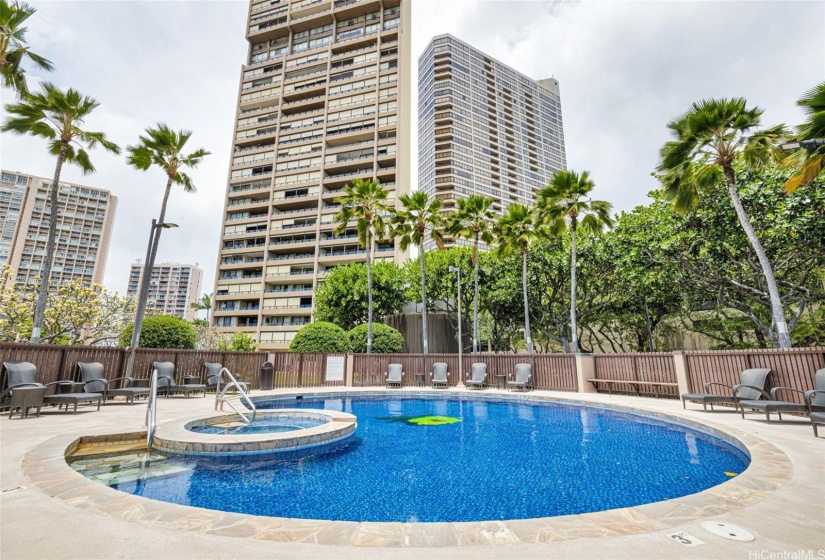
[143, 294]
[796, 144]
[457, 270]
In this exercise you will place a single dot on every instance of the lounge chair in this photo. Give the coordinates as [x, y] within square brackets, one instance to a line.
[24, 374]
[394, 375]
[439, 376]
[774, 404]
[524, 378]
[166, 381]
[94, 381]
[478, 379]
[815, 401]
[751, 388]
[214, 379]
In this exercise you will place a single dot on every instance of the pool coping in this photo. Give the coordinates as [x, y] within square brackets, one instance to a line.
[46, 468]
[175, 437]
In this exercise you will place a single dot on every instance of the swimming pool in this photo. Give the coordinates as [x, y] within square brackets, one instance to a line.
[453, 458]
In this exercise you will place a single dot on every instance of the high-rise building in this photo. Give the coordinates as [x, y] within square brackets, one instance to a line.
[173, 287]
[324, 99]
[85, 216]
[484, 128]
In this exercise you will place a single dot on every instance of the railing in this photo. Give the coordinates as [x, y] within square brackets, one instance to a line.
[151, 410]
[221, 398]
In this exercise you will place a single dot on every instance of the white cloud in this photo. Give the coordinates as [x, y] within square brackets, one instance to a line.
[625, 69]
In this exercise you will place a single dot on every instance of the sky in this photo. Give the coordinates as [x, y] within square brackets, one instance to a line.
[625, 69]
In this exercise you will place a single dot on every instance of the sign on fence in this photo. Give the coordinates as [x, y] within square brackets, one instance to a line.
[335, 368]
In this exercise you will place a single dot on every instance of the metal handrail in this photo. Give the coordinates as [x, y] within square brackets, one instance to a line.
[151, 410]
[221, 398]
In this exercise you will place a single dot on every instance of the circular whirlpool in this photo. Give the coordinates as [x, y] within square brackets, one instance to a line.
[445, 457]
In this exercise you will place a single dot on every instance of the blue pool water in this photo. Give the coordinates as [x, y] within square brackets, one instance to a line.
[499, 460]
[261, 425]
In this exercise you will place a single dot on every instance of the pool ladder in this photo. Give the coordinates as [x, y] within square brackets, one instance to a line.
[151, 410]
[221, 397]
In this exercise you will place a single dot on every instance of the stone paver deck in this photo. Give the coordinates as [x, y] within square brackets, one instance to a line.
[61, 514]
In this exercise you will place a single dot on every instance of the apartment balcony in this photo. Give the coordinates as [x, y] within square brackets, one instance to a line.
[224, 295]
[291, 257]
[301, 274]
[300, 243]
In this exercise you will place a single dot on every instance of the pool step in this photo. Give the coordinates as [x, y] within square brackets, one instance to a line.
[98, 448]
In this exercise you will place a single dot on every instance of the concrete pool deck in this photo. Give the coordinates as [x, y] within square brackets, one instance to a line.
[780, 499]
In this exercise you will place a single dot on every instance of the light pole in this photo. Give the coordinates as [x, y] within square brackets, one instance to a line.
[457, 270]
[796, 144]
[143, 293]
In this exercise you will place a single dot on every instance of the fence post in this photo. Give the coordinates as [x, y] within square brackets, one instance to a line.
[301, 369]
[585, 371]
[349, 370]
[680, 364]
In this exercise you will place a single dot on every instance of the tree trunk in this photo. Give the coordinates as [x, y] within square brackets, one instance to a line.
[154, 240]
[369, 290]
[649, 327]
[526, 304]
[783, 337]
[475, 296]
[46, 267]
[574, 337]
[424, 300]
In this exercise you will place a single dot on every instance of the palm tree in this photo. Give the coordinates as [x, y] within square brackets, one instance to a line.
[162, 148]
[418, 218]
[203, 304]
[709, 138]
[565, 204]
[515, 231]
[13, 48]
[366, 204]
[810, 160]
[56, 116]
[473, 219]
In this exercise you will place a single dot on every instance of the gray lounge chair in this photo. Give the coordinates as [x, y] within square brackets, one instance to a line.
[24, 374]
[815, 401]
[394, 375]
[478, 379]
[751, 388]
[774, 404]
[524, 378]
[166, 381]
[94, 380]
[439, 376]
[214, 379]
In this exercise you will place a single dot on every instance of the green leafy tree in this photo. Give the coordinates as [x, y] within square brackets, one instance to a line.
[203, 304]
[708, 140]
[515, 231]
[809, 160]
[386, 340]
[13, 47]
[239, 342]
[566, 204]
[162, 331]
[473, 219]
[161, 148]
[342, 297]
[58, 117]
[417, 219]
[320, 336]
[365, 203]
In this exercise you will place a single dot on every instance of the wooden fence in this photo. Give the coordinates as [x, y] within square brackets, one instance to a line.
[650, 367]
[793, 368]
[57, 363]
[303, 369]
[551, 371]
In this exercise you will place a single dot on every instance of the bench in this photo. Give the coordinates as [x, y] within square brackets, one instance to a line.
[656, 385]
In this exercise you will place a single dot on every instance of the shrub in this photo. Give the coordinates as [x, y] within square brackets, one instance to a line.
[238, 342]
[162, 331]
[385, 340]
[320, 337]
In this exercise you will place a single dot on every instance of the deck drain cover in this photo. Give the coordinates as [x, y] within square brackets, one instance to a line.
[726, 531]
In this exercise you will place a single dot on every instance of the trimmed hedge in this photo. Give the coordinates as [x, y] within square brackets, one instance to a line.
[320, 337]
[162, 331]
[385, 339]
